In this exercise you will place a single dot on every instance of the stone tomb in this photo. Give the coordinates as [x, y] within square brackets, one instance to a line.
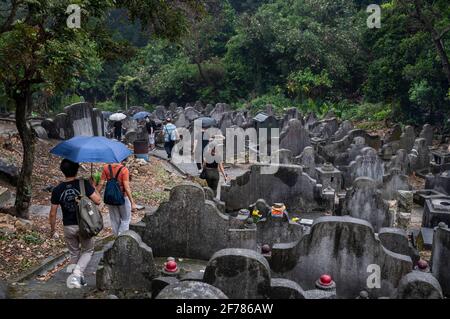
[190, 226]
[289, 185]
[436, 210]
[128, 266]
[295, 137]
[365, 201]
[345, 248]
[440, 257]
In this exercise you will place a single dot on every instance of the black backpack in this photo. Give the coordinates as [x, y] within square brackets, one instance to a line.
[90, 220]
[113, 195]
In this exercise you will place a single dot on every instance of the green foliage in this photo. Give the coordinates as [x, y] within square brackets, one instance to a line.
[109, 106]
[278, 100]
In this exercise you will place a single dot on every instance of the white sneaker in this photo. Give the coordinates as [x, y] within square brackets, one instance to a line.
[70, 268]
[73, 281]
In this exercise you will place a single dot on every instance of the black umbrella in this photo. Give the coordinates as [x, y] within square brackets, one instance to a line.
[207, 122]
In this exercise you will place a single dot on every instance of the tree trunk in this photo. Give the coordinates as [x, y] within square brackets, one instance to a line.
[23, 190]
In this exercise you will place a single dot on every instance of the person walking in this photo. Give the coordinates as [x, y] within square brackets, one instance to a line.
[118, 130]
[151, 127]
[212, 165]
[65, 195]
[202, 142]
[170, 137]
[119, 213]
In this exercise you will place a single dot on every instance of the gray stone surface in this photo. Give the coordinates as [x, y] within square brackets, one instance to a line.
[396, 240]
[393, 182]
[440, 258]
[277, 230]
[239, 273]
[407, 138]
[159, 283]
[295, 137]
[289, 185]
[128, 266]
[419, 285]
[420, 155]
[190, 226]
[436, 210]
[400, 161]
[81, 118]
[427, 134]
[365, 201]
[191, 290]
[307, 160]
[281, 288]
[368, 164]
[343, 247]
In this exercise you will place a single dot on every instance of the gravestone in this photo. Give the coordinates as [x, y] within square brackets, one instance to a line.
[282, 156]
[368, 164]
[159, 283]
[281, 288]
[310, 119]
[98, 122]
[160, 112]
[407, 139]
[345, 248]
[80, 116]
[364, 201]
[289, 185]
[393, 182]
[128, 266]
[307, 160]
[239, 273]
[181, 120]
[226, 122]
[427, 134]
[400, 161]
[295, 137]
[50, 126]
[174, 228]
[63, 126]
[439, 182]
[240, 120]
[397, 241]
[420, 155]
[343, 130]
[274, 230]
[219, 110]
[191, 114]
[394, 134]
[440, 257]
[419, 285]
[191, 290]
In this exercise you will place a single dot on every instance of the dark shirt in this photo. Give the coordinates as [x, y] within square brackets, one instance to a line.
[151, 127]
[212, 165]
[118, 126]
[65, 194]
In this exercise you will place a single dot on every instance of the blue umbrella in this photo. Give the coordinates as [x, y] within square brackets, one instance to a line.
[86, 149]
[140, 115]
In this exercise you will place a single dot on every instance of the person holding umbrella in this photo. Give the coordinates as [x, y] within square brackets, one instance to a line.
[65, 195]
[117, 118]
[81, 149]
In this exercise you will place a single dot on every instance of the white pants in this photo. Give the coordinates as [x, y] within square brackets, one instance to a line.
[120, 217]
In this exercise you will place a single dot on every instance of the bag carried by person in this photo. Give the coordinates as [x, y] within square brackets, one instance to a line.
[90, 221]
[203, 174]
[113, 194]
[173, 135]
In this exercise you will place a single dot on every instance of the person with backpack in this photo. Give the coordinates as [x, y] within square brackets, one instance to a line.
[67, 195]
[117, 196]
[170, 137]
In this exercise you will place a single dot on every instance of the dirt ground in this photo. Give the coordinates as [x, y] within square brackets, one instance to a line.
[29, 244]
